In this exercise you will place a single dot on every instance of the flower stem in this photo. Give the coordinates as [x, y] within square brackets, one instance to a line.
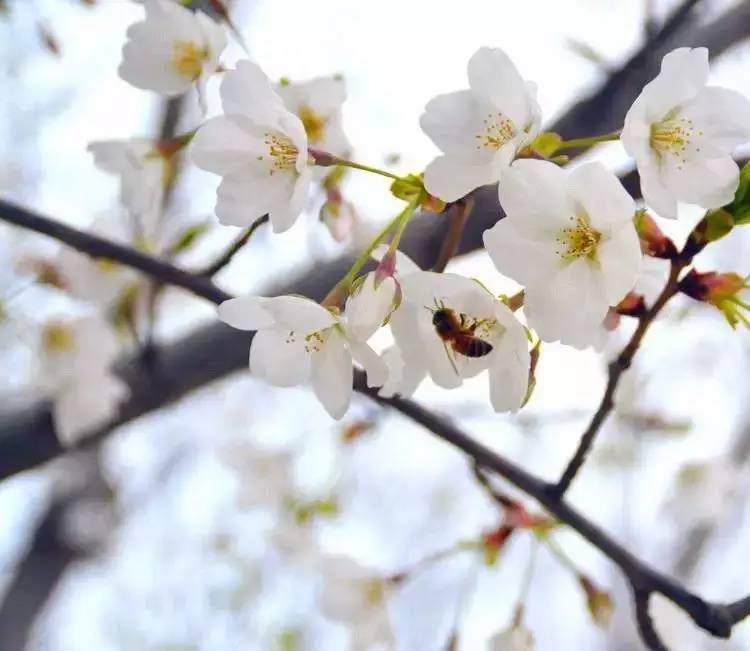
[367, 168]
[324, 159]
[584, 143]
[399, 222]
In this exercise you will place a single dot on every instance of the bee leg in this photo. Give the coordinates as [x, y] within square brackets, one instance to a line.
[451, 359]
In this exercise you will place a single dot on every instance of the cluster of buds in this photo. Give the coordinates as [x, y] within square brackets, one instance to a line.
[722, 290]
[515, 516]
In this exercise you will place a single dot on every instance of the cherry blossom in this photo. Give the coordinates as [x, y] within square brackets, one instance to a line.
[260, 150]
[171, 49]
[358, 597]
[569, 238]
[77, 355]
[487, 318]
[682, 133]
[317, 103]
[299, 341]
[479, 130]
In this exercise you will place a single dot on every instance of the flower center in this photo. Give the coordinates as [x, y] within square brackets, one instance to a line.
[58, 338]
[374, 591]
[315, 125]
[577, 241]
[282, 151]
[672, 137]
[188, 58]
[315, 341]
[497, 131]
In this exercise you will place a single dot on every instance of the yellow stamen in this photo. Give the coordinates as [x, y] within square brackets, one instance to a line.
[578, 241]
[58, 338]
[188, 58]
[282, 151]
[498, 130]
[672, 137]
[315, 124]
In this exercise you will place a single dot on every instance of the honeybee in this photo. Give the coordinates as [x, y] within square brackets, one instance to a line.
[456, 329]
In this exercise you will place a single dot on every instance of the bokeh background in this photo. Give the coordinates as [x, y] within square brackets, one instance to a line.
[156, 539]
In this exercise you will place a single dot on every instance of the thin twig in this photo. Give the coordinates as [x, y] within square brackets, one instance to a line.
[459, 213]
[225, 258]
[616, 369]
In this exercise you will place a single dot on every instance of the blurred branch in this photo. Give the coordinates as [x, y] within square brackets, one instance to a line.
[225, 258]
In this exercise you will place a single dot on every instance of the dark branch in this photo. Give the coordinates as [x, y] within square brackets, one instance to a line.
[234, 248]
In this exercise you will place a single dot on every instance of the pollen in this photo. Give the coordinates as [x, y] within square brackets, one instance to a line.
[314, 123]
[188, 58]
[497, 130]
[314, 341]
[57, 338]
[374, 592]
[579, 240]
[282, 151]
[672, 137]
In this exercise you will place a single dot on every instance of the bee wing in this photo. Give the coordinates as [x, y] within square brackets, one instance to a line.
[451, 358]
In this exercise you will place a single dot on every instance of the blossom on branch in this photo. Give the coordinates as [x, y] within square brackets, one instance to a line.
[299, 341]
[317, 103]
[569, 239]
[479, 130]
[75, 370]
[260, 150]
[171, 49]
[486, 337]
[682, 134]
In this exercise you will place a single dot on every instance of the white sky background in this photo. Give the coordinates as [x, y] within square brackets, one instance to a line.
[157, 586]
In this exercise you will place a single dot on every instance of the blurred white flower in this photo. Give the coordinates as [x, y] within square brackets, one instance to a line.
[357, 597]
[516, 638]
[479, 332]
[75, 370]
[299, 341]
[479, 130]
[682, 134]
[172, 49]
[339, 217]
[704, 492]
[260, 150]
[142, 171]
[317, 103]
[569, 238]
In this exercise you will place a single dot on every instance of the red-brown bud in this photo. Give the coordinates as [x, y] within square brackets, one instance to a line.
[721, 290]
[653, 242]
[632, 305]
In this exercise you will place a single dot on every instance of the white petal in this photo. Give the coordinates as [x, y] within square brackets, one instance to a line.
[722, 115]
[225, 146]
[527, 261]
[620, 259]
[405, 373]
[535, 193]
[709, 183]
[655, 193]
[404, 264]
[246, 91]
[374, 365]
[494, 77]
[602, 196]
[299, 313]
[247, 313]
[369, 307]
[279, 357]
[450, 178]
[240, 201]
[284, 213]
[453, 120]
[684, 73]
[333, 374]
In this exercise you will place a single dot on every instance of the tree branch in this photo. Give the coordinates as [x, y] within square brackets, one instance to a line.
[616, 369]
[225, 258]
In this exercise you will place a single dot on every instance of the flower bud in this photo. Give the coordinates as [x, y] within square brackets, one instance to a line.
[715, 225]
[494, 541]
[632, 305]
[653, 242]
[371, 303]
[598, 602]
[720, 290]
[339, 217]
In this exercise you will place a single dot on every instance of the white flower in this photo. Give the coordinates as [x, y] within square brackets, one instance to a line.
[317, 103]
[569, 238]
[142, 171]
[479, 130]
[172, 49]
[298, 341]
[356, 596]
[339, 217]
[516, 638]
[502, 348]
[260, 149]
[75, 370]
[682, 134]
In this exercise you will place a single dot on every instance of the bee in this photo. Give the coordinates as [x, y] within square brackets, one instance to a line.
[456, 330]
